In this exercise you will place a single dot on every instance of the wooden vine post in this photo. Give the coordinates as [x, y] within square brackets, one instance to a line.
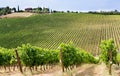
[61, 60]
[110, 68]
[18, 61]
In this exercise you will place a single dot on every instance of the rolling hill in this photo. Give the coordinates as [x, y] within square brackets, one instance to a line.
[86, 31]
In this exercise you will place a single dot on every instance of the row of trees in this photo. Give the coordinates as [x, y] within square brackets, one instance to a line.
[38, 10]
[115, 12]
[6, 10]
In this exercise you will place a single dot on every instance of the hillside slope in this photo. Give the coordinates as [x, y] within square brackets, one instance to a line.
[49, 30]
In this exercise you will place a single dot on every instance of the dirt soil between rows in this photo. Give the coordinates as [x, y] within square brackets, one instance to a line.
[84, 70]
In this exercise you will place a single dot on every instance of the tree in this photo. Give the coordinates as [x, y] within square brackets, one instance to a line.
[3, 12]
[38, 10]
[14, 9]
[18, 8]
[108, 53]
[46, 10]
[68, 11]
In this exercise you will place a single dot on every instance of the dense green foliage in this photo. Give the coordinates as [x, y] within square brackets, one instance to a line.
[74, 56]
[5, 56]
[69, 53]
[118, 57]
[35, 56]
[4, 11]
[31, 56]
[38, 10]
[49, 30]
[107, 47]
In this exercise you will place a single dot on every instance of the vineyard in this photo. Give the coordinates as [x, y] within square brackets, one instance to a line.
[44, 42]
[67, 56]
[48, 31]
[39, 59]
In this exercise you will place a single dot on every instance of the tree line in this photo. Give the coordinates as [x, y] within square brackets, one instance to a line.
[8, 10]
[115, 12]
[38, 10]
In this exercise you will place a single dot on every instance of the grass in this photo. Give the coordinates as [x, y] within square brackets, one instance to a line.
[50, 30]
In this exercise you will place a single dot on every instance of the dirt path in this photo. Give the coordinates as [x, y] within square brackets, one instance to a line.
[84, 70]
[99, 70]
[96, 70]
[12, 15]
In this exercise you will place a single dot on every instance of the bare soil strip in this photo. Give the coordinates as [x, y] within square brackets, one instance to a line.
[12, 15]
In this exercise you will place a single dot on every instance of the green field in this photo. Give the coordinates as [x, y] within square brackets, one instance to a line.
[49, 30]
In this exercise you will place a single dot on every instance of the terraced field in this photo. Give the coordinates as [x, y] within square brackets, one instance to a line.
[49, 30]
